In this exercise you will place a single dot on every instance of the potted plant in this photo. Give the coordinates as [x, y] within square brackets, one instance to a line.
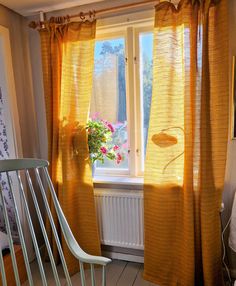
[100, 143]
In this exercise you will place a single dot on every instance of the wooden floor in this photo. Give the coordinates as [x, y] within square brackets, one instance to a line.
[119, 273]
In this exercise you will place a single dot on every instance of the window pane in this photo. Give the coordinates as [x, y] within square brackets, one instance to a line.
[146, 60]
[109, 94]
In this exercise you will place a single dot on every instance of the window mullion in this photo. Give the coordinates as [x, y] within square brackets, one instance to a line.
[138, 114]
[131, 105]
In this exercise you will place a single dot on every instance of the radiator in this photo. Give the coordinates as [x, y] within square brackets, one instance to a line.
[120, 217]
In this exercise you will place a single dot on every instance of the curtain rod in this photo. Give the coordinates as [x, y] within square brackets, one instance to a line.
[91, 14]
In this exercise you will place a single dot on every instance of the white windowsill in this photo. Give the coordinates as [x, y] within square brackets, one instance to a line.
[119, 182]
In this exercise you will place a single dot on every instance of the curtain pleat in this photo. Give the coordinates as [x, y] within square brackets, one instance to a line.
[183, 191]
[68, 62]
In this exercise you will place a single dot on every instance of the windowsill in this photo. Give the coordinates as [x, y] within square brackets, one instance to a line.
[118, 182]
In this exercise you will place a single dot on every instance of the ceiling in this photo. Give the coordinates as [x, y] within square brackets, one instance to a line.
[32, 7]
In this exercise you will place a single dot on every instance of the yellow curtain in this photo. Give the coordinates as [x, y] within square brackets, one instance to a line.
[68, 61]
[187, 145]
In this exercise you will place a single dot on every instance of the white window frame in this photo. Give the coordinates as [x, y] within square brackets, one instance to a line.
[137, 83]
[129, 28]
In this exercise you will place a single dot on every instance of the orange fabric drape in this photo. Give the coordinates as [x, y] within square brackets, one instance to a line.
[68, 58]
[190, 101]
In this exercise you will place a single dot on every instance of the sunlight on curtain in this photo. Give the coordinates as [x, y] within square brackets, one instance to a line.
[169, 109]
[68, 63]
[105, 97]
[182, 193]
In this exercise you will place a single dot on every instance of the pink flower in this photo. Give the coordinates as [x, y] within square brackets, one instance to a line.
[116, 147]
[104, 122]
[109, 125]
[118, 158]
[125, 145]
[95, 116]
[103, 150]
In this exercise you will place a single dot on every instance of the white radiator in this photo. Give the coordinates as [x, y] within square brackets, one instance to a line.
[120, 217]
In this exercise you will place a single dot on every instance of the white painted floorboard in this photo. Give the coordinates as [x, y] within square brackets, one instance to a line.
[119, 273]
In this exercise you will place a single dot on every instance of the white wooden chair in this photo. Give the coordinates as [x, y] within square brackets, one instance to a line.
[20, 168]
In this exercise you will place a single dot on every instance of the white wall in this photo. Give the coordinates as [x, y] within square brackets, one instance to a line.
[18, 28]
[37, 77]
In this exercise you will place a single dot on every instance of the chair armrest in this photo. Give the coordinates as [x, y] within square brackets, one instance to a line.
[80, 254]
[72, 243]
[87, 258]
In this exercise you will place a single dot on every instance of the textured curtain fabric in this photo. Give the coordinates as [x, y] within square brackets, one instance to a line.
[68, 61]
[189, 113]
[105, 97]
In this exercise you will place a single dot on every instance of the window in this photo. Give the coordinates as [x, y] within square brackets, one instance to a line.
[122, 90]
[109, 94]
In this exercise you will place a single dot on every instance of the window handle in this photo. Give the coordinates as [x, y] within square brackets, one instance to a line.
[137, 151]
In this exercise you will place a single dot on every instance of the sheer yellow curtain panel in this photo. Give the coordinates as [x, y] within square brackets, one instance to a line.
[184, 176]
[68, 62]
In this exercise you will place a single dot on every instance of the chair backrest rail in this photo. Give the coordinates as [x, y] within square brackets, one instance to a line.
[92, 275]
[44, 232]
[82, 275]
[21, 164]
[69, 237]
[103, 276]
[20, 231]
[11, 246]
[49, 213]
[2, 269]
[31, 229]
[34, 182]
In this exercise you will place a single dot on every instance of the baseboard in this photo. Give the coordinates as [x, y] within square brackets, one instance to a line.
[127, 254]
[123, 256]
